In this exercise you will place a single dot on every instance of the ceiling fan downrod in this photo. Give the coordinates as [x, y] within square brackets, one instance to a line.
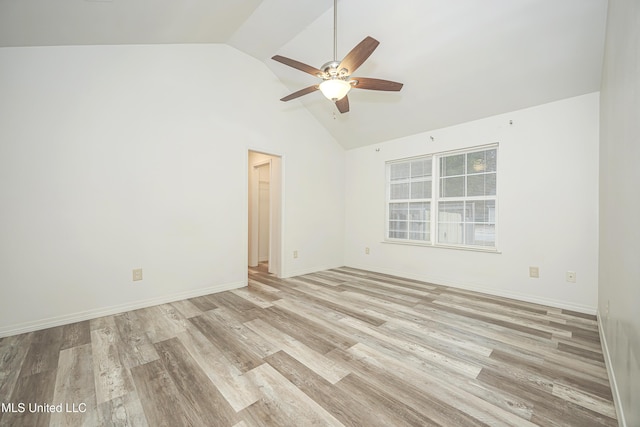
[335, 30]
[330, 69]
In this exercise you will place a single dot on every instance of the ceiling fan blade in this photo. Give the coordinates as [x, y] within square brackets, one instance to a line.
[359, 54]
[299, 93]
[299, 65]
[343, 104]
[375, 84]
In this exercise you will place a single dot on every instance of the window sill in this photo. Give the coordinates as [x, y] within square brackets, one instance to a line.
[440, 246]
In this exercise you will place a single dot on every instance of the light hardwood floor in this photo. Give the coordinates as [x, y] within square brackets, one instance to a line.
[339, 347]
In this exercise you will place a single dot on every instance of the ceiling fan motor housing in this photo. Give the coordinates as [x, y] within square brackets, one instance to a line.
[330, 70]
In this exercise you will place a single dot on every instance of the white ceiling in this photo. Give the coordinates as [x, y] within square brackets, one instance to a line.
[459, 60]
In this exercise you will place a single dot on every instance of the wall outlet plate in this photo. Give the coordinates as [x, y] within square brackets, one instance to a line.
[571, 276]
[137, 274]
[534, 272]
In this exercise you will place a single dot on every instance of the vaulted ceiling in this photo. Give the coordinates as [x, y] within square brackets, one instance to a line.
[459, 60]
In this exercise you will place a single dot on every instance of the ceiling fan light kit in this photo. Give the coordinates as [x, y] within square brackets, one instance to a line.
[336, 75]
[335, 89]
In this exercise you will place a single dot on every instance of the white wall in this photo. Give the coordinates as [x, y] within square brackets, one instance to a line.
[548, 206]
[619, 282]
[122, 157]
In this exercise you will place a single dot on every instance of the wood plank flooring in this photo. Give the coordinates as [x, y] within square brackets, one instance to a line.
[342, 347]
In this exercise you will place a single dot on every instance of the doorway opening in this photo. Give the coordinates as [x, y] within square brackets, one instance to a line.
[265, 201]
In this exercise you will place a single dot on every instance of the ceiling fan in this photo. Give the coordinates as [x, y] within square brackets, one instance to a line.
[337, 76]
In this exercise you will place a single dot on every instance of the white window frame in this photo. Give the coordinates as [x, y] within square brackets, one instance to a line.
[436, 199]
[409, 200]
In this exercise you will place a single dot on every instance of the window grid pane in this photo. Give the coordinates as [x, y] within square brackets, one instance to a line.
[399, 191]
[452, 165]
[421, 189]
[452, 186]
[399, 171]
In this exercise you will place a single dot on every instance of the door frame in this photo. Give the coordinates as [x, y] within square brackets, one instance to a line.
[275, 210]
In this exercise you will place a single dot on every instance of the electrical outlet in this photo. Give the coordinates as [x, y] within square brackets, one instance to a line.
[295, 254]
[366, 251]
[137, 274]
[571, 276]
[534, 272]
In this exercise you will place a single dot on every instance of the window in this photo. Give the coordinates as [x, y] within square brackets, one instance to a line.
[456, 189]
[467, 198]
[409, 195]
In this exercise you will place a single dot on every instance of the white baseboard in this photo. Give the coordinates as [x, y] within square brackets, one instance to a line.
[303, 271]
[22, 328]
[489, 291]
[611, 373]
